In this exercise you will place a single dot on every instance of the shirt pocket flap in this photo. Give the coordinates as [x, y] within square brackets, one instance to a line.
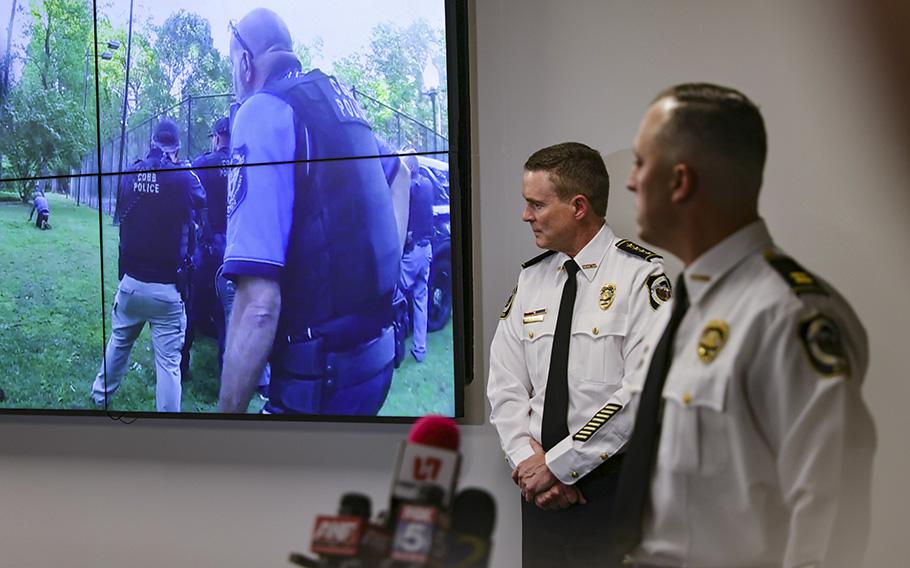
[706, 389]
[596, 358]
[536, 326]
[596, 325]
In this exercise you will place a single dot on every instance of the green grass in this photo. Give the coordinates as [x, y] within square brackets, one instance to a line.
[424, 388]
[51, 342]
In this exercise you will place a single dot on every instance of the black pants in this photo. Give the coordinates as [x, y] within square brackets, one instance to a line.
[577, 536]
[41, 221]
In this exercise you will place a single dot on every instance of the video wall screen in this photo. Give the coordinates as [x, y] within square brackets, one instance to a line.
[232, 209]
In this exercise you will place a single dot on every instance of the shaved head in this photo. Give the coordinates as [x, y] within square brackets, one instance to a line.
[260, 43]
[264, 32]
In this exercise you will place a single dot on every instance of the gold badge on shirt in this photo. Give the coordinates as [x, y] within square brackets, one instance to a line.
[713, 338]
[607, 294]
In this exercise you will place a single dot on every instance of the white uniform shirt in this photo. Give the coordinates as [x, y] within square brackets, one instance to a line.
[765, 447]
[619, 293]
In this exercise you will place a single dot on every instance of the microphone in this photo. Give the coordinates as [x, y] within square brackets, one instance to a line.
[336, 538]
[429, 457]
[469, 539]
[355, 505]
[375, 542]
[420, 529]
[299, 559]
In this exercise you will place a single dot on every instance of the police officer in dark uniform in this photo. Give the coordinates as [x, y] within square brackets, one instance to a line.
[157, 206]
[312, 243]
[204, 312]
[418, 254]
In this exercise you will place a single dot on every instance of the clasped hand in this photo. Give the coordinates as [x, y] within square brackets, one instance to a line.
[538, 484]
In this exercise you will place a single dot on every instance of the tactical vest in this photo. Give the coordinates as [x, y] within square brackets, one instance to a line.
[342, 259]
[420, 217]
[155, 213]
[214, 180]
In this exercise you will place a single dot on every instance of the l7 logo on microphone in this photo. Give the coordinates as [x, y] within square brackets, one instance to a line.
[427, 469]
[419, 466]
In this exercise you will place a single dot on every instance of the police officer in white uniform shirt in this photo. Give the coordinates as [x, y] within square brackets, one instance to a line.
[752, 446]
[569, 334]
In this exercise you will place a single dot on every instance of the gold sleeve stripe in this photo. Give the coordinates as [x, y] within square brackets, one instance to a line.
[599, 419]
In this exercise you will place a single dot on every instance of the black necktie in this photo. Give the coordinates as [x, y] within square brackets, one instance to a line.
[635, 477]
[556, 402]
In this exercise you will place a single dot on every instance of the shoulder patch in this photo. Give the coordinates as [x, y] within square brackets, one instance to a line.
[659, 289]
[237, 185]
[822, 341]
[800, 280]
[599, 419]
[507, 309]
[634, 249]
[538, 258]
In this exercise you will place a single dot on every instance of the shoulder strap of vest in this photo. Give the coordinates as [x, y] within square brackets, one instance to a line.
[538, 258]
[800, 280]
[279, 87]
[635, 249]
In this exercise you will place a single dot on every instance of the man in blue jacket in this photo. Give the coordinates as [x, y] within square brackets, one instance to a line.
[40, 205]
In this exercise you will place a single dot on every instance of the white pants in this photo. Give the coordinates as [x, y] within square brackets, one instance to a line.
[136, 303]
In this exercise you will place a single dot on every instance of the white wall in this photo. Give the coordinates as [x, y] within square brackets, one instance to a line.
[92, 493]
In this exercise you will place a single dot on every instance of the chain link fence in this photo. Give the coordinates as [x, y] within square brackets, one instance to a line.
[399, 129]
[194, 116]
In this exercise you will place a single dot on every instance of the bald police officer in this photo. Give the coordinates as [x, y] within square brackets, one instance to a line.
[752, 445]
[312, 244]
[156, 218]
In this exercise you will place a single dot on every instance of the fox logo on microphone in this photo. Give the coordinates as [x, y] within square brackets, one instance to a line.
[336, 536]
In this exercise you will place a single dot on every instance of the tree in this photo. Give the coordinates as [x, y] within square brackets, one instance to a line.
[43, 127]
[169, 64]
[7, 56]
[40, 129]
[390, 70]
[194, 68]
[308, 53]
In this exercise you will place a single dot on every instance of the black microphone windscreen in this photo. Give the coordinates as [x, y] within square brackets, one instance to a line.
[355, 505]
[474, 512]
[431, 494]
[298, 559]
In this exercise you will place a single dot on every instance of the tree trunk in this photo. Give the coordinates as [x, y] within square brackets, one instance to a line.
[47, 52]
[7, 60]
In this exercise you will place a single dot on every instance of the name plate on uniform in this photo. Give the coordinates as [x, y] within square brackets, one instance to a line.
[535, 316]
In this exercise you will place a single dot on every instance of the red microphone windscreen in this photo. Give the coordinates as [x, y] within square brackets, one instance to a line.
[436, 431]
